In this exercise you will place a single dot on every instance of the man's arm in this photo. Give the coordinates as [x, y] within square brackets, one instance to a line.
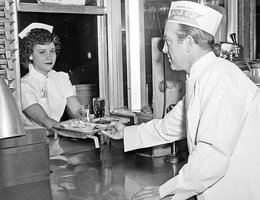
[157, 131]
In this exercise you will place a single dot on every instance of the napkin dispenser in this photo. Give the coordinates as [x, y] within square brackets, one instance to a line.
[11, 124]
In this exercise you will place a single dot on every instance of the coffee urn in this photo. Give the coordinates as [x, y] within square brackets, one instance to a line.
[11, 123]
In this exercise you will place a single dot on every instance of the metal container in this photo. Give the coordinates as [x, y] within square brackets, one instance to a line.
[11, 124]
[25, 166]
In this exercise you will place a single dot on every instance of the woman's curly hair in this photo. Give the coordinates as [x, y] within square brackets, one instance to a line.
[34, 37]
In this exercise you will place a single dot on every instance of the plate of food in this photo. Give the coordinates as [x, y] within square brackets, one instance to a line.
[106, 120]
[78, 128]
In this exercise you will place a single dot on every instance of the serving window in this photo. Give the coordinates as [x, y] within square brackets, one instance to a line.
[79, 51]
[91, 43]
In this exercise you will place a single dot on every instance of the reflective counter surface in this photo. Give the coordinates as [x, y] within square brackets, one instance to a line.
[80, 171]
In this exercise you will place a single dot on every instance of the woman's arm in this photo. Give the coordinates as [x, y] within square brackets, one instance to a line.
[37, 114]
[73, 106]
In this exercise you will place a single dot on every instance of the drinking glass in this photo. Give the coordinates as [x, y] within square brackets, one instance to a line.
[84, 111]
[99, 107]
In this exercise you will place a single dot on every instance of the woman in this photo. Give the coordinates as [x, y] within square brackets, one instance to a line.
[45, 92]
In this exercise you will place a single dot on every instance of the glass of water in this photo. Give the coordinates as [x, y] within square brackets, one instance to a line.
[84, 111]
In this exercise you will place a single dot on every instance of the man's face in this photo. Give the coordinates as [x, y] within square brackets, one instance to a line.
[44, 57]
[175, 50]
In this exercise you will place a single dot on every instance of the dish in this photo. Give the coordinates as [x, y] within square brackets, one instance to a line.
[78, 126]
[106, 120]
[76, 133]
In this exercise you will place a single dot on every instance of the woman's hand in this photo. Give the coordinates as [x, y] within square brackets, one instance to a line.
[51, 131]
[147, 193]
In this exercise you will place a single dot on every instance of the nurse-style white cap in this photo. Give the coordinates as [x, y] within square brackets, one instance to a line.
[24, 32]
[195, 15]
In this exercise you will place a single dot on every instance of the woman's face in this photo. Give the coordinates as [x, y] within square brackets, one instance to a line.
[44, 57]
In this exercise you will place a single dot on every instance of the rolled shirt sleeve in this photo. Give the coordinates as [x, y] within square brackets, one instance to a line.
[28, 95]
[68, 88]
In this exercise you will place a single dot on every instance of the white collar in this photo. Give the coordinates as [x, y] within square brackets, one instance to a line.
[37, 74]
[199, 66]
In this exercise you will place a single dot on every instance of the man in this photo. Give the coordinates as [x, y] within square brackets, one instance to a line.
[219, 116]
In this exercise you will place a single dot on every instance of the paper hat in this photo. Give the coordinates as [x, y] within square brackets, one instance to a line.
[195, 15]
[24, 32]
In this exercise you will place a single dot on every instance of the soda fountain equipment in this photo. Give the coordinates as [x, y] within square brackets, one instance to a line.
[232, 51]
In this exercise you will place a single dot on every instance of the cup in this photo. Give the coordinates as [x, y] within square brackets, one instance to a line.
[255, 73]
[84, 111]
[99, 107]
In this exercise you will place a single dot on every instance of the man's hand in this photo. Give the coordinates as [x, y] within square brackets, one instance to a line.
[147, 193]
[117, 130]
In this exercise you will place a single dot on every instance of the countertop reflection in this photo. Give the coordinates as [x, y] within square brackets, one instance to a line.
[79, 171]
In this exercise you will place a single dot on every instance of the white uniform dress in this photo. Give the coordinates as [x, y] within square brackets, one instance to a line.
[50, 91]
[220, 116]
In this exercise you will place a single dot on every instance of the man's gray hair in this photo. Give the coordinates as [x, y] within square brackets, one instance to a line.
[201, 38]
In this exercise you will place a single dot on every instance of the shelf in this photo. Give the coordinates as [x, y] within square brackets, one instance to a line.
[57, 8]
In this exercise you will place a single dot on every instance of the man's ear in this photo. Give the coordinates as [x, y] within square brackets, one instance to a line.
[189, 42]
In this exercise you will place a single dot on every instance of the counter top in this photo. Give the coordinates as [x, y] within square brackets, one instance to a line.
[80, 171]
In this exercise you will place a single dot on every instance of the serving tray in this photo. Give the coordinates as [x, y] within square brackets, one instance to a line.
[80, 128]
